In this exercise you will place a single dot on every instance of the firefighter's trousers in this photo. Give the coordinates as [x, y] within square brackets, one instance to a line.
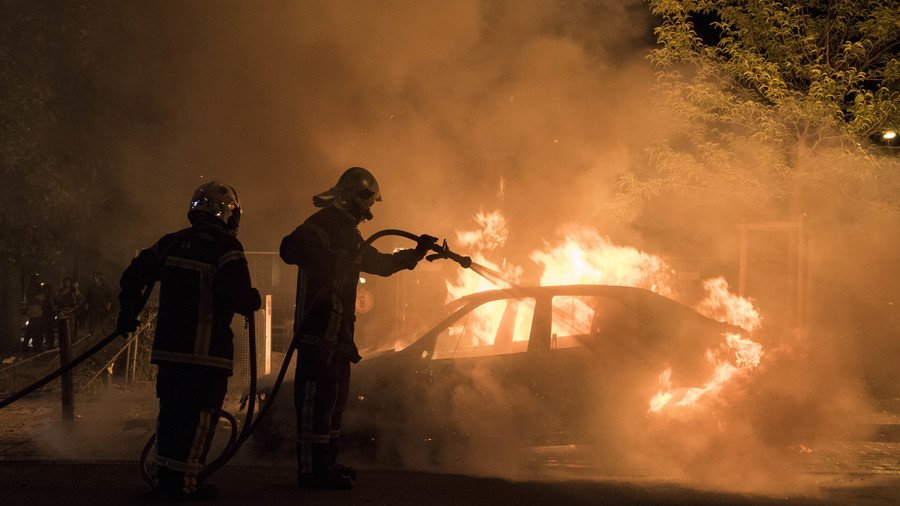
[190, 399]
[321, 387]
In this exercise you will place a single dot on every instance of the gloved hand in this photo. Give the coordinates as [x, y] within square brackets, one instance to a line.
[126, 324]
[424, 244]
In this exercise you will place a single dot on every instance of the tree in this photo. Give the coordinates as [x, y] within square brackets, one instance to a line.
[774, 106]
[58, 122]
[775, 102]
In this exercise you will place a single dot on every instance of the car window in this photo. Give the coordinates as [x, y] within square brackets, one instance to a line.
[493, 328]
[579, 319]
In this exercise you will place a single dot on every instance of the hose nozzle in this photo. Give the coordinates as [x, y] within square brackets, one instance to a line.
[443, 251]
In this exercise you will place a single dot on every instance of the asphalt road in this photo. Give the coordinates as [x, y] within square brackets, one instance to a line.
[115, 483]
[92, 462]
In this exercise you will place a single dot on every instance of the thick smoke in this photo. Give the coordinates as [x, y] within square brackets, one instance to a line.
[446, 103]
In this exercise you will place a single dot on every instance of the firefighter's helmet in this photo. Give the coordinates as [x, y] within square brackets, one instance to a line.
[356, 191]
[216, 201]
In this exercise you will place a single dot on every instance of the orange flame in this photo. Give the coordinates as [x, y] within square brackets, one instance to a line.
[746, 355]
[584, 256]
[720, 304]
[484, 242]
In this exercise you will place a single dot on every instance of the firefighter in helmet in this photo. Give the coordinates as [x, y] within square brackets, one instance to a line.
[204, 280]
[330, 253]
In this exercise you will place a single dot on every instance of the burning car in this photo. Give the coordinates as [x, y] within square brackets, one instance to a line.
[525, 366]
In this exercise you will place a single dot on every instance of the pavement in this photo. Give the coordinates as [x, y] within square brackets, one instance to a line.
[92, 460]
[115, 483]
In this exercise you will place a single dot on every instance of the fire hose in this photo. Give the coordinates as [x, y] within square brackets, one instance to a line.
[250, 421]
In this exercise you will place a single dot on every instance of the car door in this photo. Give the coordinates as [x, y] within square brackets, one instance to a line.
[589, 341]
[480, 375]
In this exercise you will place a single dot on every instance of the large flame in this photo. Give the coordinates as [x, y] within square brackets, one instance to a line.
[584, 256]
[484, 243]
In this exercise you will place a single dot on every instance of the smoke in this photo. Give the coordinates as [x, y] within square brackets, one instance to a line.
[446, 103]
[112, 425]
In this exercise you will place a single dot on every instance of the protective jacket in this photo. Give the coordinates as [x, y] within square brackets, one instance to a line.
[330, 253]
[204, 280]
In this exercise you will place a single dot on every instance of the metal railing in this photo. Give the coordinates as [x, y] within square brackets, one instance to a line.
[133, 352]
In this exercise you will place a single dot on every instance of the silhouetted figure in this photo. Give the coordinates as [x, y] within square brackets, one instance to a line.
[98, 303]
[330, 253]
[203, 280]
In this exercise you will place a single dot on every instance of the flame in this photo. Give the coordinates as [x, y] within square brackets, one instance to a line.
[720, 304]
[584, 256]
[745, 354]
[490, 236]
[484, 242]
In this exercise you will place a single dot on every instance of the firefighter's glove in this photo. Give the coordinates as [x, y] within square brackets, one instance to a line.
[126, 325]
[423, 245]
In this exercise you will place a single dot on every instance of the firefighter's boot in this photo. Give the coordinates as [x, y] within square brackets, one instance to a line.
[323, 476]
[347, 471]
[170, 488]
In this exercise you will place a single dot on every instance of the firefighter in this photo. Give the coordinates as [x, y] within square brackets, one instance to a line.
[204, 280]
[330, 253]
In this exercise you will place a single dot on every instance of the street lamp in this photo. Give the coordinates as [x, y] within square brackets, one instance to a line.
[887, 140]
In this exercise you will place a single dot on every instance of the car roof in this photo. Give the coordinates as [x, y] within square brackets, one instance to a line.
[660, 305]
[549, 291]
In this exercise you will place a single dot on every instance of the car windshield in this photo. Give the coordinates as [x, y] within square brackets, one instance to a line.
[424, 326]
[495, 327]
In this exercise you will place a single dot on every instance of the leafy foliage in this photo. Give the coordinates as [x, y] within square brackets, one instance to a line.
[771, 98]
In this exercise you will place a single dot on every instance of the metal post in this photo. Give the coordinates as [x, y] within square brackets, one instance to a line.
[398, 331]
[267, 366]
[134, 345]
[126, 360]
[65, 356]
[793, 286]
[802, 275]
[742, 276]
